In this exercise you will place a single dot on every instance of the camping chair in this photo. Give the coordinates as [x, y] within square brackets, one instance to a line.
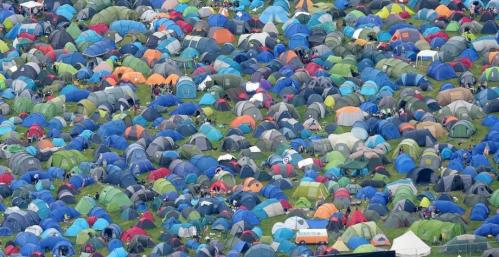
[427, 54]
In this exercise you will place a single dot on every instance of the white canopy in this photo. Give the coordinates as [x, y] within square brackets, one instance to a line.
[31, 4]
[410, 245]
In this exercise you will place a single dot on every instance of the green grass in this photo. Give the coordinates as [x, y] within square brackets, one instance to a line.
[223, 120]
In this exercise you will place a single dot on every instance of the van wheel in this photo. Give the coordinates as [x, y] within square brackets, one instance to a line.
[322, 243]
[302, 242]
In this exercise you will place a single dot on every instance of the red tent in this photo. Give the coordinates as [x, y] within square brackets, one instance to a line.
[128, 234]
[219, 186]
[6, 178]
[100, 28]
[356, 217]
[35, 131]
[158, 173]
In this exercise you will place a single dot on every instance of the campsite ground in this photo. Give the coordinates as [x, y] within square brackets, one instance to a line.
[223, 120]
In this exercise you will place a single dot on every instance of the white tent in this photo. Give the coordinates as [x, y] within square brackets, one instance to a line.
[410, 245]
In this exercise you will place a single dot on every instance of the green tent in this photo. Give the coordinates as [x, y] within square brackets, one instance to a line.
[65, 68]
[114, 199]
[343, 70]
[226, 177]
[98, 5]
[23, 104]
[404, 192]
[466, 243]
[311, 191]
[494, 198]
[113, 13]
[66, 159]
[49, 110]
[395, 67]
[303, 203]
[137, 65]
[366, 248]
[85, 204]
[453, 26]
[86, 107]
[84, 236]
[162, 186]
[73, 30]
[410, 147]
[435, 231]
[366, 230]
[491, 74]
[462, 129]
[334, 159]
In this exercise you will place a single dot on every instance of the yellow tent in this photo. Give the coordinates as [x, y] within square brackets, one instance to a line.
[393, 9]
[329, 102]
[425, 203]
[3, 47]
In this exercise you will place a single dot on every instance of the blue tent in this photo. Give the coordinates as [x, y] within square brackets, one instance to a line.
[217, 20]
[72, 58]
[63, 248]
[246, 216]
[34, 119]
[124, 27]
[99, 48]
[115, 127]
[276, 14]
[356, 241]
[404, 163]
[479, 212]
[487, 229]
[447, 207]
[441, 71]
[185, 109]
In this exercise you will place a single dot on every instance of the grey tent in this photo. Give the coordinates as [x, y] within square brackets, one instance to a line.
[400, 219]
[494, 252]
[316, 110]
[462, 110]
[23, 162]
[201, 142]
[283, 110]
[158, 146]
[270, 140]
[248, 108]
[453, 182]
[234, 143]
[260, 250]
[347, 100]
[430, 158]
[452, 48]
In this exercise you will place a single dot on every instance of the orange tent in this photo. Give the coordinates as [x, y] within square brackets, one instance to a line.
[325, 211]
[443, 11]
[134, 132]
[288, 57]
[151, 55]
[172, 79]
[45, 144]
[253, 185]
[134, 77]
[492, 57]
[111, 81]
[119, 71]
[245, 119]
[406, 126]
[222, 36]
[155, 79]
